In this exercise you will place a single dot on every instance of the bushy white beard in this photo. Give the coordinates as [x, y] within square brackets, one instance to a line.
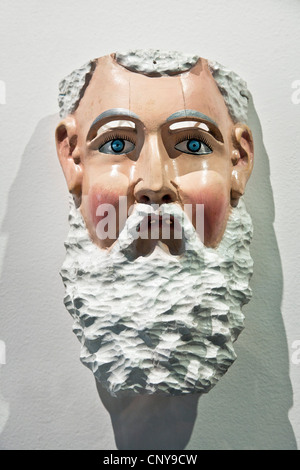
[159, 323]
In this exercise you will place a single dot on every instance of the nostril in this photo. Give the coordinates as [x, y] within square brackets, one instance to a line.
[144, 199]
[155, 197]
[166, 199]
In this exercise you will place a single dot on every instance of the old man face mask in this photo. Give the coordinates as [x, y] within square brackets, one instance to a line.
[156, 154]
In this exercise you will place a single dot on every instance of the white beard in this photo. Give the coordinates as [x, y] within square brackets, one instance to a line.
[161, 323]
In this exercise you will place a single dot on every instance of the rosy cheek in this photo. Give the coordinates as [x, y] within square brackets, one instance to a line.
[215, 214]
[102, 203]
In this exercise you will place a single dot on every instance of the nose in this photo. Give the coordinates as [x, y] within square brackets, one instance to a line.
[154, 172]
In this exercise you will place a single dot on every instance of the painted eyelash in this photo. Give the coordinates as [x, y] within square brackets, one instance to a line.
[110, 137]
[194, 136]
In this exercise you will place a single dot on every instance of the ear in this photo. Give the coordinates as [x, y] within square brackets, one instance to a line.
[68, 154]
[242, 160]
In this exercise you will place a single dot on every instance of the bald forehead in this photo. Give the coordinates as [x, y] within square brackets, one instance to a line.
[112, 82]
[152, 98]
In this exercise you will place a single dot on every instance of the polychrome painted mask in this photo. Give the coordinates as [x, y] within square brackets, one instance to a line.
[156, 154]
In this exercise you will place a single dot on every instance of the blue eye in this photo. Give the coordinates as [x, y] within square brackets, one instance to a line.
[117, 146]
[193, 146]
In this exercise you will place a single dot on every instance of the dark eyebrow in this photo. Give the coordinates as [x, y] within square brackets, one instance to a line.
[191, 113]
[113, 113]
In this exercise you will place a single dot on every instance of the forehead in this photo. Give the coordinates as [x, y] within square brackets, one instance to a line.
[153, 99]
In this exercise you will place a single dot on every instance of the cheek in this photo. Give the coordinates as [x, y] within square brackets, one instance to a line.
[102, 203]
[214, 195]
[215, 214]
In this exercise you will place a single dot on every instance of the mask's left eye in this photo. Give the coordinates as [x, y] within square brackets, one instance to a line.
[193, 147]
[117, 146]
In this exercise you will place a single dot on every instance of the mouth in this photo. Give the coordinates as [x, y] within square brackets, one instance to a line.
[160, 227]
[147, 229]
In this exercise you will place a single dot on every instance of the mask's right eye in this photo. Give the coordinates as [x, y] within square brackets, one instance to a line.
[117, 146]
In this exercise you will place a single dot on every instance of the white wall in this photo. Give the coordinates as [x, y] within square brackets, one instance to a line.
[47, 398]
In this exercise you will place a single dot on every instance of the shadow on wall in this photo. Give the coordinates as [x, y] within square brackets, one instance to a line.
[44, 380]
[248, 409]
[150, 422]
